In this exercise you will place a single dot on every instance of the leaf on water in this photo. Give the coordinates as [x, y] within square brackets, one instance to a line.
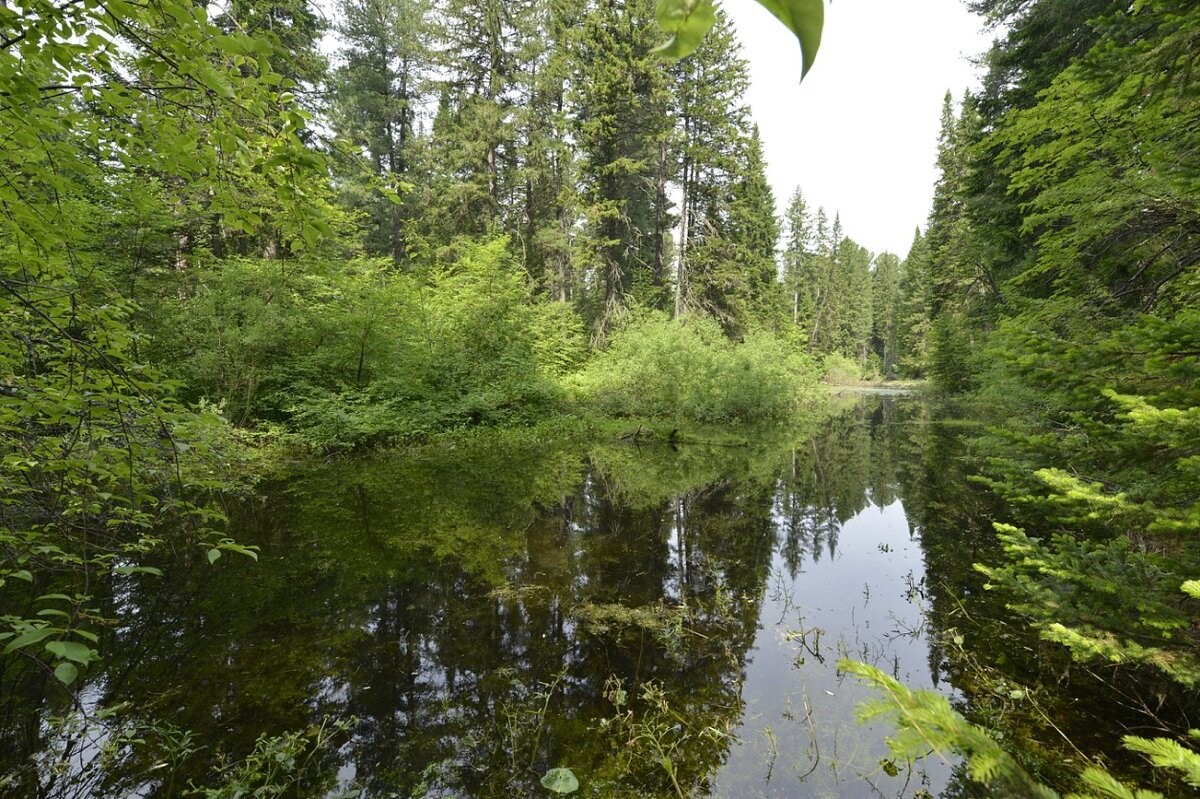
[806, 19]
[66, 672]
[560, 780]
[687, 22]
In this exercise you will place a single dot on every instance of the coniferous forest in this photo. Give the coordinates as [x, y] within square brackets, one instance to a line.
[428, 398]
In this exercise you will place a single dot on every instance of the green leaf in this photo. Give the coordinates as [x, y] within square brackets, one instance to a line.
[213, 554]
[560, 780]
[69, 650]
[1192, 588]
[806, 19]
[687, 22]
[30, 637]
[66, 672]
[139, 570]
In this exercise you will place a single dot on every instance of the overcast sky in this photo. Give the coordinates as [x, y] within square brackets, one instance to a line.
[859, 136]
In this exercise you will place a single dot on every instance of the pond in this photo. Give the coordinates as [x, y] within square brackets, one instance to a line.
[663, 621]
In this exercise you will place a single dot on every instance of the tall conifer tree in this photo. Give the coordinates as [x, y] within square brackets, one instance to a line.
[620, 96]
[378, 90]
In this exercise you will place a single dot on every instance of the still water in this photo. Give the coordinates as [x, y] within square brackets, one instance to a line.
[662, 621]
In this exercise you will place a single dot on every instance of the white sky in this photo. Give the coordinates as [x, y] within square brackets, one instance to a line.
[859, 136]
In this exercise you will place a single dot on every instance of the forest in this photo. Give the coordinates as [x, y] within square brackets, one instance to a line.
[439, 300]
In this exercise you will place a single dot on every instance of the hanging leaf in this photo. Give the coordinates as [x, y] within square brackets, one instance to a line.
[687, 22]
[560, 780]
[806, 19]
[30, 637]
[66, 672]
[70, 650]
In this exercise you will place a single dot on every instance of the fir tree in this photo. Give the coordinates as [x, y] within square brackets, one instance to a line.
[712, 123]
[799, 258]
[378, 90]
[547, 171]
[620, 100]
[912, 312]
[885, 297]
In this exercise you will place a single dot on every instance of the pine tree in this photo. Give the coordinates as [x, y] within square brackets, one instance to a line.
[754, 229]
[734, 274]
[954, 277]
[822, 338]
[484, 52]
[849, 310]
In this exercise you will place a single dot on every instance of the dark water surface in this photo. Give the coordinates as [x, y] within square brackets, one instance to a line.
[662, 621]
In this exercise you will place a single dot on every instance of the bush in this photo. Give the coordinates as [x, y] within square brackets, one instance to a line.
[840, 370]
[356, 354]
[687, 370]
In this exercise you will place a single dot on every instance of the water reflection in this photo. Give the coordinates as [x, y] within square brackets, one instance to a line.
[664, 622]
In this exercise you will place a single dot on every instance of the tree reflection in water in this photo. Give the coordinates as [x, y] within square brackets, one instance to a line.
[662, 621]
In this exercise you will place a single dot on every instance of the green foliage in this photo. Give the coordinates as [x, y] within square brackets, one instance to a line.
[114, 114]
[355, 354]
[1076, 593]
[687, 370]
[926, 725]
[1057, 285]
[687, 21]
[840, 370]
[281, 766]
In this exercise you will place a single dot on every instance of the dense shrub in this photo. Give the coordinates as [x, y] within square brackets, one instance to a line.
[840, 370]
[688, 370]
[358, 353]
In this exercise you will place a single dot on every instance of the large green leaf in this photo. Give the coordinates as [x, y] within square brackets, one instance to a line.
[806, 19]
[30, 637]
[70, 650]
[66, 672]
[687, 21]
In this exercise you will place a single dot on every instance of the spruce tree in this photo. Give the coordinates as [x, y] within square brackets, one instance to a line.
[754, 230]
[954, 275]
